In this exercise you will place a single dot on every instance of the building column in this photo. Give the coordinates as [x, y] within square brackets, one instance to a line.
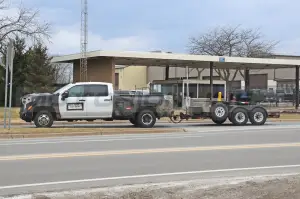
[247, 79]
[297, 88]
[211, 80]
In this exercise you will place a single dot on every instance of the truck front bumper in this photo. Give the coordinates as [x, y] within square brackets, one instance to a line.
[26, 116]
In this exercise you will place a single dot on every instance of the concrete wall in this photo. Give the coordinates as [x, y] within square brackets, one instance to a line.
[132, 77]
[101, 70]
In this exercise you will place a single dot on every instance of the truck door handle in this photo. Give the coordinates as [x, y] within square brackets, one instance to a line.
[82, 100]
[108, 99]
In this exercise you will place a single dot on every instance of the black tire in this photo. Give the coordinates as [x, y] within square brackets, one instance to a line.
[239, 117]
[145, 119]
[43, 119]
[132, 121]
[219, 113]
[258, 116]
[219, 122]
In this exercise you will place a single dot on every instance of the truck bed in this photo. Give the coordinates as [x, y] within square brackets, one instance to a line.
[126, 106]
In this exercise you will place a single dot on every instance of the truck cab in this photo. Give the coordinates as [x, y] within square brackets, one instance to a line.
[86, 100]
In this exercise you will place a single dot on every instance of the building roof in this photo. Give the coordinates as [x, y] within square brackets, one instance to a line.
[182, 60]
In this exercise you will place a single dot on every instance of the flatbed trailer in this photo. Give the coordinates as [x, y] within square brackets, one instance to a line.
[207, 99]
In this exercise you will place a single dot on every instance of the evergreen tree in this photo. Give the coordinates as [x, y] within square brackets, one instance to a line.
[40, 73]
[19, 69]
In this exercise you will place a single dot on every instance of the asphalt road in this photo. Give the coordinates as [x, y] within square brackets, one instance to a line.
[35, 165]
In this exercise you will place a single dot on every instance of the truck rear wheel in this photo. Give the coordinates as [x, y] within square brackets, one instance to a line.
[219, 113]
[43, 119]
[132, 121]
[145, 119]
[239, 116]
[219, 122]
[258, 116]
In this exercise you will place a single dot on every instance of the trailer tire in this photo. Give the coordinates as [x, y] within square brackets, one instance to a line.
[258, 116]
[219, 113]
[239, 116]
[145, 119]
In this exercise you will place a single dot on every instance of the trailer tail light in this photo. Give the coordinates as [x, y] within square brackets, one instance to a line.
[128, 108]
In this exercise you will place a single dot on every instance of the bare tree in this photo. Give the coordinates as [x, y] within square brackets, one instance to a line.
[199, 71]
[25, 24]
[231, 41]
[62, 72]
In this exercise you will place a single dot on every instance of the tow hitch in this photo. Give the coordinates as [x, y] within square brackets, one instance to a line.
[179, 118]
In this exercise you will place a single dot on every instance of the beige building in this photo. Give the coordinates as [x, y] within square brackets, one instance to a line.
[131, 77]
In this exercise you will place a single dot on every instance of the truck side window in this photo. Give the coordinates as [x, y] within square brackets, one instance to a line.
[76, 91]
[96, 91]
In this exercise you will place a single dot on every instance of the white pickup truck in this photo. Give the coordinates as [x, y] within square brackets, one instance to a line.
[91, 101]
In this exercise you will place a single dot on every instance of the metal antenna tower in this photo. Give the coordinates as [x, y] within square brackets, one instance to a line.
[83, 41]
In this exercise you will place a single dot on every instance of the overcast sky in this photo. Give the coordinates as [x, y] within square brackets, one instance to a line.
[165, 24]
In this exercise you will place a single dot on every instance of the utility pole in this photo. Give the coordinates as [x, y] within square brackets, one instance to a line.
[8, 68]
[83, 41]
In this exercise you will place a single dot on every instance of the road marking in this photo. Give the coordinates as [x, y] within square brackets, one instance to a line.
[146, 176]
[144, 151]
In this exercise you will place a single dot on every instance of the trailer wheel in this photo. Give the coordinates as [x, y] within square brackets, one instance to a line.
[258, 116]
[219, 113]
[145, 119]
[239, 116]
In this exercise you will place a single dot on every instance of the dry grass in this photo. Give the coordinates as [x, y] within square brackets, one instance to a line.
[14, 113]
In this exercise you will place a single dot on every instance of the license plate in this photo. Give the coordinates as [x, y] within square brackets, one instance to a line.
[75, 107]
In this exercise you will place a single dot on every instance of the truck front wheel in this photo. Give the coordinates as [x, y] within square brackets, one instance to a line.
[145, 119]
[43, 119]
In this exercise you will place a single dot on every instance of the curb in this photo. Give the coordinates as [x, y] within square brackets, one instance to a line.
[8, 135]
[126, 122]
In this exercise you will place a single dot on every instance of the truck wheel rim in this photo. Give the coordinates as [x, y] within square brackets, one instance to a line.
[240, 117]
[220, 111]
[258, 117]
[43, 119]
[147, 118]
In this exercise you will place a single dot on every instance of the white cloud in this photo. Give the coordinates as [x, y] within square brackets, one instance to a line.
[66, 40]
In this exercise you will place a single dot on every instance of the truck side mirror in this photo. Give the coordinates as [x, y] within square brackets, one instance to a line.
[64, 95]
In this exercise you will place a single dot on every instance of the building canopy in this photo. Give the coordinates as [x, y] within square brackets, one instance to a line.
[182, 60]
